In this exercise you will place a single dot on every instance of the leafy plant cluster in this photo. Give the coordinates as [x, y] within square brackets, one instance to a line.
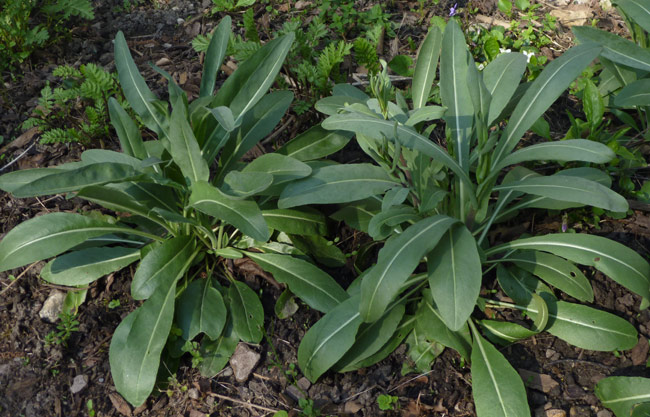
[20, 35]
[187, 208]
[80, 99]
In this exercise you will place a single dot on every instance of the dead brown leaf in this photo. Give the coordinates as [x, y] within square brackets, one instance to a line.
[21, 140]
[120, 405]
[573, 15]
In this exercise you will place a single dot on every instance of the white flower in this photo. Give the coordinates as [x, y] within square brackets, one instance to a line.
[528, 55]
[481, 66]
[504, 51]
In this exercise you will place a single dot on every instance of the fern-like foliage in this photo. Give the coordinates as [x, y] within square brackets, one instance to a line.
[58, 135]
[328, 63]
[365, 53]
[200, 42]
[241, 49]
[250, 28]
[68, 8]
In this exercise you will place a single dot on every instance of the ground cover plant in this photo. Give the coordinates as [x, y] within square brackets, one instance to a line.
[180, 220]
[435, 206]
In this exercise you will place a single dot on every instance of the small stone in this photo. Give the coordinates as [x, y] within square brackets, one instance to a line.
[163, 61]
[180, 21]
[226, 372]
[351, 407]
[79, 383]
[52, 307]
[167, 45]
[294, 393]
[639, 354]
[193, 393]
[549, 353]
[539, 382]
[194, 413]
[100, 380]
[243, 361]
[580, 411]
[604, 413]
[553, 412]
[304, 384]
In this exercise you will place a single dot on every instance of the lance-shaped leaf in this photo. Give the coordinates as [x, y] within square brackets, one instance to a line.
[244, 184]
[96, 156]
[501, 78]
[137, 344]
[454, 91]
[425, 114]
[201, 310]
[334, 104]
[14, 180]
[497, 389]
[571, 189]
[185, 149]
[283, 168]
[247, 312]
[505, 332]
[49, 235]
[455, 276]
[425, 67]
[586, 327]
[397, 260]
[371, 338]
[328, 340]
[315, 143]
[406, 136]
[619, 262]
[634, 94]
[312, 285]
[615, 48]
[244, 215]
[216, 353]
[305, 221]
[621, 393]
[556, 271]
[140, 97]
[246, 86]
[162, 266]
[546, 88]
[337, 184]
[565, 150]
[637, 10]
[84, 266]
[127, 131]
[75, 179]
[520, 285]
[214, 55]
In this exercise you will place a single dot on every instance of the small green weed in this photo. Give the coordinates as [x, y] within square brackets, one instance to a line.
[65, 328]
[387, 402]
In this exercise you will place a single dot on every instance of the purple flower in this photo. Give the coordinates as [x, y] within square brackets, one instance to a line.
[452, 11]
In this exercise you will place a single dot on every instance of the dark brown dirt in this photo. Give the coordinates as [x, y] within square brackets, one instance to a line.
[36, 378]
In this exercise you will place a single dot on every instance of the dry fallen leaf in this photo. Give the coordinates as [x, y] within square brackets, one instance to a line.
[573, 15]
[120, 405]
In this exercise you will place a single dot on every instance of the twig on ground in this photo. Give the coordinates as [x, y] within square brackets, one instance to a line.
[17, 278]
[18, 157]
[244, 403]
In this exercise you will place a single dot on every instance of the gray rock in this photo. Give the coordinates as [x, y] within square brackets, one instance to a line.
[79, 383]
[243, 361]
[52, 307]
[294, 393]
[193, 393]
[604, 413]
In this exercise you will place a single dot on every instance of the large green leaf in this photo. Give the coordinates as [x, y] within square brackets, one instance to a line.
[406, 136]
[75, 179]
[619, 262]
[586, 327]
[137, 344]
[164, 265]
[555, 271]
[520, 285]
[49, 235]
[358, 215]
[14, 180]
[127, 131]
[636, 93]
[566, 150]
[497, 388]
[425, 67]
[283, 168]
[337, 184]
[454, 92]
[637, 10]
[140, 98]
[214, 55]
[216, 353]
[455, 276]
[621, 393]
[185, 149]
[315, 143]
[501, 78]
[84, 266]
[246, 86]
[305, 221]
[312, 285]
[396, 261]
[370, 339]
[327, 341]
[572, 189]
[247, 312]
[546, 88]
[615, 48]
[201, 309]
[244, 215]
[245, 184]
